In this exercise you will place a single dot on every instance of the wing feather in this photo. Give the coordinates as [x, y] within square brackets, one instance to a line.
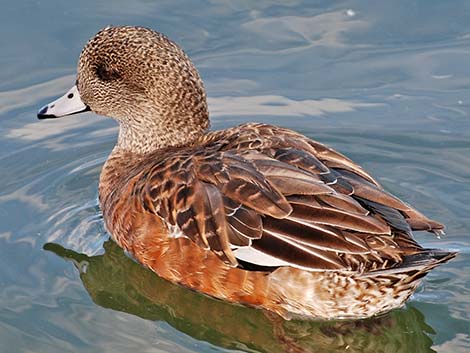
[296, 254]
[312, 236]
[276, 198]
[340, 219]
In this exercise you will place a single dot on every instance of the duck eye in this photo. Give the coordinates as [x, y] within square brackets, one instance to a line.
[106, 74]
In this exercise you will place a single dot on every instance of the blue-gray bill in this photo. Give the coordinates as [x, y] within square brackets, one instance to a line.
[70, 103]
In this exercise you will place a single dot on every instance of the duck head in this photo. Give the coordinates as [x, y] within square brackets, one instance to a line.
[144, 81]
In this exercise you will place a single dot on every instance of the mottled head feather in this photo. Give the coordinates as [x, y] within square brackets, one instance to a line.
[147, 83]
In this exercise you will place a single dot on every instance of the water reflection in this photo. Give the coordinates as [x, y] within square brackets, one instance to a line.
[281, 106]
[114, 281]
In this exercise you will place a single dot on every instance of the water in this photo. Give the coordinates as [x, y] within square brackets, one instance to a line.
[387, 83]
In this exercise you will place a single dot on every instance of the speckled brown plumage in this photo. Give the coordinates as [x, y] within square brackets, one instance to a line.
[255, 214]
[131, 73]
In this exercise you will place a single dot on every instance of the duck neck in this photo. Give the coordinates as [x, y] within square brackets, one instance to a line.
[140, 138]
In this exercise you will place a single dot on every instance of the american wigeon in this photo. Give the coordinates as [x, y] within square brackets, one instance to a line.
[255, 214]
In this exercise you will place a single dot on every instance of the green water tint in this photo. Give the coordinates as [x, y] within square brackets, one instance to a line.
[116, 282]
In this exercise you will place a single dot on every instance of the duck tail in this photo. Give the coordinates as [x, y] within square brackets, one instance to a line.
[417, 265]
[427, 259]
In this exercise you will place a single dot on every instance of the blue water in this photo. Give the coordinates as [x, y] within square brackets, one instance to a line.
[387, 83]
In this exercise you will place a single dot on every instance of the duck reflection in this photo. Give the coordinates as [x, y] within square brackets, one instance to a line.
[115, 281]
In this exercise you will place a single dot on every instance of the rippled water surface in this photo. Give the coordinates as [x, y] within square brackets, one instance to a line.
[387, 83]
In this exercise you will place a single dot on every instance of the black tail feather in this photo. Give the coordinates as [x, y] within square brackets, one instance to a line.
[419, 263]
[428, 257]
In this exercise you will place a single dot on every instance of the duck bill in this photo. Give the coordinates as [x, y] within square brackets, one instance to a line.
[70, 103]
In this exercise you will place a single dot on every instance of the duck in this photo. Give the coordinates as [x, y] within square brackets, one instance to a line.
[256, 214]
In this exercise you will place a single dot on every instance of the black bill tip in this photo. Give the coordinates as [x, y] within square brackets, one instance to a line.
[42, 114]
[43, 110]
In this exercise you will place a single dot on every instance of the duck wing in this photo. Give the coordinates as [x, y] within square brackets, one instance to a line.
[261, 197]
[348, 177]
[215, 198]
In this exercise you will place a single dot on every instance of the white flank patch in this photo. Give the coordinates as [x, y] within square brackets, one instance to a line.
[248, 254]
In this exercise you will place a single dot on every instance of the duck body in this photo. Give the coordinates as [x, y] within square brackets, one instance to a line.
[263, 216]
[255, 214]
